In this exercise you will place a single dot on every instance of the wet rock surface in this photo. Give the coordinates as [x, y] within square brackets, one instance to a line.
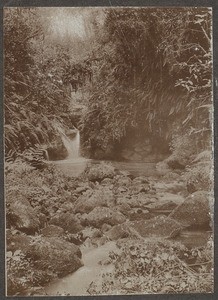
[22, 215]
[195, 211]
[103, 205]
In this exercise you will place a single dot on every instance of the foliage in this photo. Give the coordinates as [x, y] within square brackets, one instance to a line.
[199, 174]
[46, 191]
[34, 101]
[151, 71]
[21, 274]
[154, 266]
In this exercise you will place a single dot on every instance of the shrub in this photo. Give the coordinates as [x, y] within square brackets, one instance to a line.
[156, 266]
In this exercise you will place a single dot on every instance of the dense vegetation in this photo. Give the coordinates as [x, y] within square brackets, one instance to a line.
[142, 73]
[36, 74]
[150, 71]
[153, 73]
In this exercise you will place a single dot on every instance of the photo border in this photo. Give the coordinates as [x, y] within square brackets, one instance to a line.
[108, 3]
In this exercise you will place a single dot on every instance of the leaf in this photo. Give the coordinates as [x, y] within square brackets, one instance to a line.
[9, 254]
[17, 252]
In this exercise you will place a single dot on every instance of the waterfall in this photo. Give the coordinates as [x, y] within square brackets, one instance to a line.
[72, 145]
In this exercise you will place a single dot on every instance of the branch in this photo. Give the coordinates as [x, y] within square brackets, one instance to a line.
[31, 36]
[206, 35]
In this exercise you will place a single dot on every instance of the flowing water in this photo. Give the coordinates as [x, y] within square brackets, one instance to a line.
[77, 283]
[75, 164]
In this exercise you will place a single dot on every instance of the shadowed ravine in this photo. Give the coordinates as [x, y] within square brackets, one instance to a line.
[75, 164]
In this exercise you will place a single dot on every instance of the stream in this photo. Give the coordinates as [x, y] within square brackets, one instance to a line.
[75, 164]
[76, 284]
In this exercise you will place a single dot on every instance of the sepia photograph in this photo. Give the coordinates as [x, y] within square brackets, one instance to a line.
[108, 150]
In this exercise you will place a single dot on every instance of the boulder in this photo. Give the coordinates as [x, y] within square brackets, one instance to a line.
[165, 201]
[67, 221]
[100, 215]
[173, 187]
[71, 133]
[123, 181]
[124, 208]
[105, 227]
[47, 253]
[141, 200]
[100, 171]
[21, 215]
[160, 226]
[140, 179]
[55, 254]
[139, 214]
[118, 232]
[130, 201]
[139, 187]
[52, 230]
[98, 198]
[57, 150]
[91, 232]
[18, 241]
[195, 211]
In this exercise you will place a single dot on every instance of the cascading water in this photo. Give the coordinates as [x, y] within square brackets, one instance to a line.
[74, 164]
[72, 145]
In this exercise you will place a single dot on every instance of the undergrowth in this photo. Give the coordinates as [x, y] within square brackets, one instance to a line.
[154, 266]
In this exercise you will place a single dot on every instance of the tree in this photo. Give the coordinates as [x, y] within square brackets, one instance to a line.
[152, 70]
[34, 98]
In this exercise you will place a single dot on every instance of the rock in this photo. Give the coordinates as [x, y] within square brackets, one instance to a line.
[42, 220]
[91, 232]
[21, 214]
[199, 177]
[174, 187]
[140, 179]
[100, 171]
[57, 150]
[160, 226]
[139, 214]
[52, 230]
[177, 162]
[55, 254]
[105, 227]
[98, 198]
[18, 241]
[165, 201]
[66, 207]
[71, 133]
[75, 238]
[194, 211]
[122, 189]
[171, 176]
[67, 221]
[131, 201]
[100, 215]
[82, 188]
[124, 208]
[141, 200]
[123, 181]
[138, 187]
[107, 181]
[118, 232]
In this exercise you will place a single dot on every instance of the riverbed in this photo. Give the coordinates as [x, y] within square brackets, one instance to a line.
[77, 284]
